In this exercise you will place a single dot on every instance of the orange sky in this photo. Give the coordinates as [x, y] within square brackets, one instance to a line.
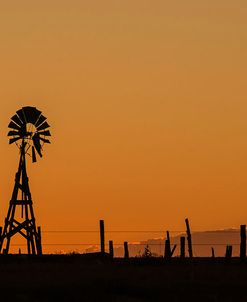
[147, 102]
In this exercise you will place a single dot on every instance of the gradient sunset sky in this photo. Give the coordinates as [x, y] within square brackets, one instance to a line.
[147, 102]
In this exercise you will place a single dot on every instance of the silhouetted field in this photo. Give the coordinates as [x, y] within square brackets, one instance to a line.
[95, 278]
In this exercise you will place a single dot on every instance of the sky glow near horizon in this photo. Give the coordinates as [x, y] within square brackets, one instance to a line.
[147, 106]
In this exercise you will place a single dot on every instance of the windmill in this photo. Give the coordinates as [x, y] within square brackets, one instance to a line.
[28, 130]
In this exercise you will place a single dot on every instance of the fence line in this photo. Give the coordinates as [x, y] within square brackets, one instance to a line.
[138, 231]
[219, 232]
[120, 244]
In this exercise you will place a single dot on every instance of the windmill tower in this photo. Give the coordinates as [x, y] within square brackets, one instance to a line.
[28, 131]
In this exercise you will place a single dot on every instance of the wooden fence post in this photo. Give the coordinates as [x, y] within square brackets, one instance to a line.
[102, 236]
[167, 246]
[169, 251]
[173, 249]
[213, 254]
[126, 250]
[189, 238]
[39, 252]
[243, 242]
[182, 247]
[111, 249]
[228, 252]
[1, 230]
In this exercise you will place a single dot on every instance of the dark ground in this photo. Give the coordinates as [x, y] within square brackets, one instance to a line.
[95, 278]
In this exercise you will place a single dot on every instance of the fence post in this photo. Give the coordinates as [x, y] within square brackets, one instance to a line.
[102, 236]
[213, 254]
[243, 242]
[173, 249]
[111, 249]
[126, 250]
[230, 251]
[1, 230]
[39, 239]
[167, 246]
[182, 247]
[228, 255]
[189, 238]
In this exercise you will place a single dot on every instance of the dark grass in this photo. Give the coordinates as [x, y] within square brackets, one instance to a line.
[96, 278]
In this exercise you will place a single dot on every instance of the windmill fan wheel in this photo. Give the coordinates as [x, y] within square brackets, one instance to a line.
[29, 129]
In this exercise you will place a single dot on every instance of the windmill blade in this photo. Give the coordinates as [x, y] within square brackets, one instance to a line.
[16, 119]
[29, 124]
[13, 133]
[31, 114]
[21, 116]
[36, 143]
[34, 159]
[12, 125]
[40, 121]
[43, 126]
[45, 140]
[45, 133]
[14, 139]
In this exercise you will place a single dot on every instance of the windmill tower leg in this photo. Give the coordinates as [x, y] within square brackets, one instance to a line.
[26, 226]
[8, 218]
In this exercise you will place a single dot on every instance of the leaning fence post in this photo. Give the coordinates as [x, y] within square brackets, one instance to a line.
[189, 238]
[111, 250]
[243, 242]
[167, 246]
[126, 250]
[182, 247]
[102, 236]
[173, 249]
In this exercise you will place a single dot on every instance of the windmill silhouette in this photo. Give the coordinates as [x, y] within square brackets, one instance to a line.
[28, 131]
